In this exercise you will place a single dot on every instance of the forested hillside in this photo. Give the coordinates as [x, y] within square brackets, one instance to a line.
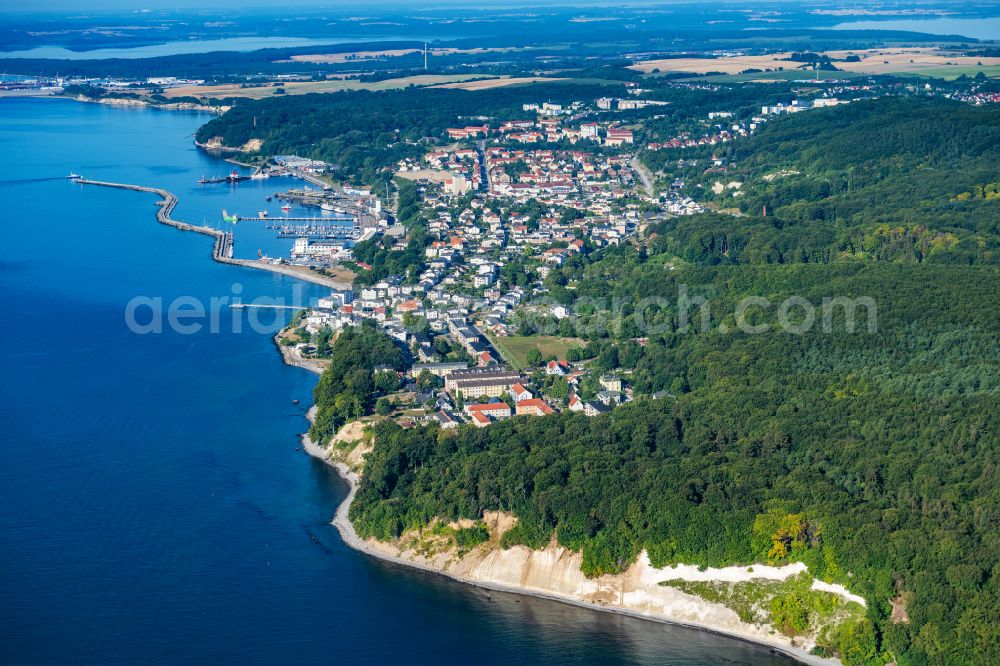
[887, 179]
[348, 387]
[886, 444]
[869, 453]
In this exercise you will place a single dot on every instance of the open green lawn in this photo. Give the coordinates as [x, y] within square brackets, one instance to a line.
[515, 348]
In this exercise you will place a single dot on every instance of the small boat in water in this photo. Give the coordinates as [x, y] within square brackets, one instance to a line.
[286, 208]
[268, 198]
[74, 176]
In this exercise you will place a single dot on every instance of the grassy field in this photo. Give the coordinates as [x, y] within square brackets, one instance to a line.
[770, 77]
[433, 175]
[306, 87]
[487, 84]
[917, 61]
[914, 61]
[730, 65]
[951, 73]
[515, 348]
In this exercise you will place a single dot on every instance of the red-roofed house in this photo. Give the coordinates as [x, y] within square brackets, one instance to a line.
[519, 393]
[490, 411]
[464, 132]
[495, 409]
[534, 407]
[558, 368]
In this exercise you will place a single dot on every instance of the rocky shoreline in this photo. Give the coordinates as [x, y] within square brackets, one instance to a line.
[523, 572]
[141, 103]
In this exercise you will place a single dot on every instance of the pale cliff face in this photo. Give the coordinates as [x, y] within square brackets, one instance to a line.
[557, 572]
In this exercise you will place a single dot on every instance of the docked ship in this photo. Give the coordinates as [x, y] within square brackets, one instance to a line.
[233, 177]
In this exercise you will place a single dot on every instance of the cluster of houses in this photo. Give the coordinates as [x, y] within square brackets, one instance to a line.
[479, 389]
[463, 167]
[572, 178]
[482, 396]
[614, 103]
[477, 224]
[797, 105]
[553, 130]
[554, 123]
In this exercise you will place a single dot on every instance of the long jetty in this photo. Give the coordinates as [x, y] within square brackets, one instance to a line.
[222, 249]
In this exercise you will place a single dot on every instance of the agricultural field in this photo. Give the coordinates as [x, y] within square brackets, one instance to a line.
[731, 65]
[921, 61]
[306, 87]
[487, 84]
[774, 77]
[911, 61]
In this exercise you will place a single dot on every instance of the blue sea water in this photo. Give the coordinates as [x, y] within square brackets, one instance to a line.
[154, 503]
[985, 28]
[183, 46]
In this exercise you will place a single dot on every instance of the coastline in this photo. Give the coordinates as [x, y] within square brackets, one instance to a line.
[351, 538]
[222, 250]
[291, 357]
[141, 103]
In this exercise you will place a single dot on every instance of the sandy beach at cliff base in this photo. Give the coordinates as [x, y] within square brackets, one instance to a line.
[385, 552]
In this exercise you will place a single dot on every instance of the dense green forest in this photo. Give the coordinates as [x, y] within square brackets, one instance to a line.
[348, 388]
[881, 179]
[867, 452]
[885, 442]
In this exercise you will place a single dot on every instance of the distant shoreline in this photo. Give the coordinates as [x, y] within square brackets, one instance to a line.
[117, 101]
[141, 103]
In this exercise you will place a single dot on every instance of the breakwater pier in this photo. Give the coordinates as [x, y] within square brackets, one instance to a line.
[222, 249]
